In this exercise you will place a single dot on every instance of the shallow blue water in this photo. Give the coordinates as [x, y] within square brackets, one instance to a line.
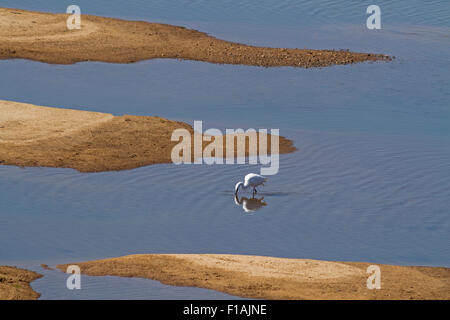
[262, 12]
[407, 96]
[52, 286]
[370, 181]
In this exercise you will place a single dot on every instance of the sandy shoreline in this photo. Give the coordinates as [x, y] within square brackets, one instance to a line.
[15, 284]
[276, 278]
[44, 37]
[35, 136]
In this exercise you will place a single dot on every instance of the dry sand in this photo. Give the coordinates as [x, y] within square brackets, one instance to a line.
[15, 284]
[45, 37]
[276, 278]
[22, 123]
[38, 136]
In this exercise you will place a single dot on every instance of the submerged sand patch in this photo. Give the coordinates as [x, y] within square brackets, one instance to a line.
[276, 278]
[35, 136]
[15, 284]
[44, 37]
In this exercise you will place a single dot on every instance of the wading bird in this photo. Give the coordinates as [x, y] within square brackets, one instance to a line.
[252, 180]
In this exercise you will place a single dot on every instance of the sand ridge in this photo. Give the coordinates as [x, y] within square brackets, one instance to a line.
[276, 278]
[271, 267]
[44, 37]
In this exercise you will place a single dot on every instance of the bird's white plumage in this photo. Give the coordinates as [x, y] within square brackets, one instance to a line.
[254, 180]
[251, 180]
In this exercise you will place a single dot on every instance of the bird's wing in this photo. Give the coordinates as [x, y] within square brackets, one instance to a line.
[255, 179]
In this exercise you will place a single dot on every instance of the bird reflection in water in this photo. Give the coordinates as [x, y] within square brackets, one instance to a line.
[250, 205]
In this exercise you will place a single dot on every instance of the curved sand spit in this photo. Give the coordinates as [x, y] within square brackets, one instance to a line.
[89, 141]
[15, 284]
[45, 37]
[276, 278]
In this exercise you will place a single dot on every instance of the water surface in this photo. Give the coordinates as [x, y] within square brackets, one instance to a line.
[370, 181]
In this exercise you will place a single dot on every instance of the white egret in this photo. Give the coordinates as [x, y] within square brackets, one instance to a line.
[252, 180]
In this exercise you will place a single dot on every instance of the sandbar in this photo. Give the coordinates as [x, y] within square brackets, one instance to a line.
[15, 284]
[38, 136]
[45, 37]
[277, 278]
